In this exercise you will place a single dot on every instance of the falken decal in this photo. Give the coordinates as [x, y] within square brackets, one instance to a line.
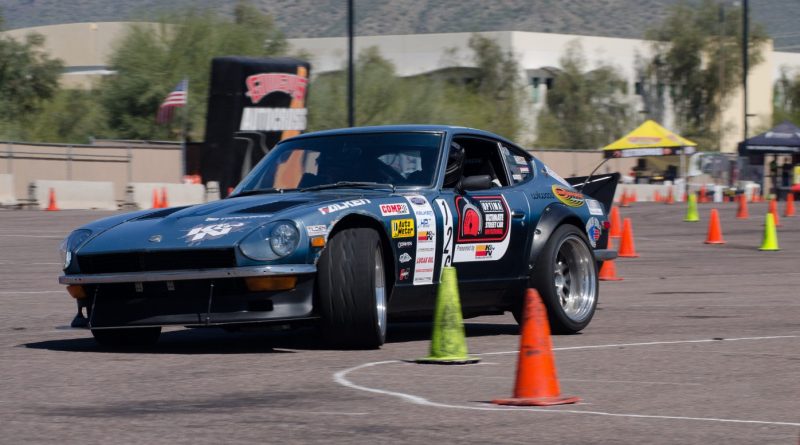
[484, 231]
[399, 208]
[343, 205]
[593, 231]
[402, 228]
[201, 233]
[426, 239]
[568, 197]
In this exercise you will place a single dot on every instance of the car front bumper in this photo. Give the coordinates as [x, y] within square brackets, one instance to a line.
[206, 297]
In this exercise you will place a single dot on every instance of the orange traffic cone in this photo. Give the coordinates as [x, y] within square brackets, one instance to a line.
[632, 198]
[773, 208]
[626, 247]
[52, 206]
[670, 196]
[615, 230]
[164, 202]
[789, 205]
[742, 212]
[624, 201]
[537, 382]
[608, 272]
[685, 196]
[156, 201]
[656, 196]
[714, 229]
[702, 195]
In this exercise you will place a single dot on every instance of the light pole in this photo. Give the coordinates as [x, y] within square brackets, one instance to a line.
[351, 118]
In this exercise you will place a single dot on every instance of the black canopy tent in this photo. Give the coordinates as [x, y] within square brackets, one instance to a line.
[782, 140]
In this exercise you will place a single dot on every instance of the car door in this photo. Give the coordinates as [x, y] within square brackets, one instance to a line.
[487, 229]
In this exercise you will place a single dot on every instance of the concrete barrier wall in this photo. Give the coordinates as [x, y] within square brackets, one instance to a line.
[141, 194]
[74, 194]
[7, 197]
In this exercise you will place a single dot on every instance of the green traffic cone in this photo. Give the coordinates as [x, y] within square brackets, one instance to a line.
[448, 343]
[691, 210]
[770, 235]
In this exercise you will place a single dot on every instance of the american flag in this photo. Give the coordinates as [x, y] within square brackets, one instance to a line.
[176, 98]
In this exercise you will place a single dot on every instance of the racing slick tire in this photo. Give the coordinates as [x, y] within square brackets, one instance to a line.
[566, 278]
[126, 338]
[352, 291]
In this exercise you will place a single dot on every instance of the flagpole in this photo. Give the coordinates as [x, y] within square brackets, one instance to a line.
[184, 130]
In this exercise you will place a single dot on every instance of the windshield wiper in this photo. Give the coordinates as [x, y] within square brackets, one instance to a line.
[256, 192]
[349, 184]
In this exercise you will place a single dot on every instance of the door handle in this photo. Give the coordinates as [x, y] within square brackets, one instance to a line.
[517, 214]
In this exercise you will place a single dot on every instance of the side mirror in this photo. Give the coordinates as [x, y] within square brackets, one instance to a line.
[477, 182]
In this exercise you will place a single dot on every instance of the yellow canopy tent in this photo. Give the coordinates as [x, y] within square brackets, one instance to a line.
[649, 139]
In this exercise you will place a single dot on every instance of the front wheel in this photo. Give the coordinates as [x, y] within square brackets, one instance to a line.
[566, 277]
[127, 338]
[351, 289]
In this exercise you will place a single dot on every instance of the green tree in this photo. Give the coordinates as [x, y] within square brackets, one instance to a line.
[697, 60]
[586, 109]
[72, 116]
[149, 61]
[28, 78]
[787, 99]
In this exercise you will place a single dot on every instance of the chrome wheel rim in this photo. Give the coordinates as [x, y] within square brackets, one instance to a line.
[380, 293]
[574, 278]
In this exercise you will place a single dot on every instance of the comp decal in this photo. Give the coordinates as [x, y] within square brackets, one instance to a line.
[201, 233]
[403, 228]
[483, 232]
[343, 205]
[426, 239]
[593, 231]
[568, 197]
[396, 209]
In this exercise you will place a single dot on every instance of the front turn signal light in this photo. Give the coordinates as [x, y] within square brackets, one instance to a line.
[260, 284]
[76, 292]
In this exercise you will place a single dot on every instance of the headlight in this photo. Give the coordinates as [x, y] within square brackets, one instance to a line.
[271, 242]
[72, 242]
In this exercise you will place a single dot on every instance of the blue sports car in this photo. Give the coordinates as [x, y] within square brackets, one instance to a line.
[347, 229]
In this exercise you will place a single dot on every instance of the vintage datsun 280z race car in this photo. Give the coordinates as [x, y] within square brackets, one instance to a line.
[346, 229]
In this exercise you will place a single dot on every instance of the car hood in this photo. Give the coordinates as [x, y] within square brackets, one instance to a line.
[213, 225]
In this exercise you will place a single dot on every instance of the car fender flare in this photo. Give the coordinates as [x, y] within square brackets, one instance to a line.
[552, 217]
[365, 219]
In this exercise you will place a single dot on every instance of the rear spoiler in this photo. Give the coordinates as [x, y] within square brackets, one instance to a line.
[600, 187]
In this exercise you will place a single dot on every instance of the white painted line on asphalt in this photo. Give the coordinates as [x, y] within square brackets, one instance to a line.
[650, 343]
[341, 378]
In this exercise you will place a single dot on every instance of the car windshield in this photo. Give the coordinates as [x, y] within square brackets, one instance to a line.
[347, 160]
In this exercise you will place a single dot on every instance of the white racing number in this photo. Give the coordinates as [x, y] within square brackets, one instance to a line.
[447, 229]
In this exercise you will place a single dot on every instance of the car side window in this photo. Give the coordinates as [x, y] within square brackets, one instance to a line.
[483, 157]
[518, 166]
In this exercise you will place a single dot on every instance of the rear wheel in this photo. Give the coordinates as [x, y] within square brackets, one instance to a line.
[126, 338]
[351, 289]
[566, 277]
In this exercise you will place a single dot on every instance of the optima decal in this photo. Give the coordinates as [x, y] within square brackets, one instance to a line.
[343, 205]
[483, 232]
[568, 197]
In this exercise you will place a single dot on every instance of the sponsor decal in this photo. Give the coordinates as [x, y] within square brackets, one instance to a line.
[319, 230]
[273, 119]
[404, 258]
[404, 274]
[483, 218]
[155, 239]
[402, 228]
[593, 230]
[447, 232]
[542, 195]
[400, 208]
[262, 84]
[524, 169]
[426, 239]
[595, 208]
[404, 244]
[568, 197]
[484, 251]
[517, 177]
[521, 160]
[212, 231]
[342, 205]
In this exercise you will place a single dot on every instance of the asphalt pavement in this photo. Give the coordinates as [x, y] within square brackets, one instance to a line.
[698, 344]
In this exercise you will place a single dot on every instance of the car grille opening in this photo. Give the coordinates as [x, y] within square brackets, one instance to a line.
[159, 260]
